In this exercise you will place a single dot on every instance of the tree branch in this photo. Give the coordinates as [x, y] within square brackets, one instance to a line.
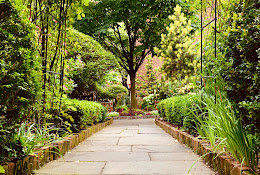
[141, 59]
[125, 52]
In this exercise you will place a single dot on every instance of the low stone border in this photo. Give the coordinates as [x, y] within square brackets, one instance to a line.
[224, 165]
[134, 117]
[52, 152]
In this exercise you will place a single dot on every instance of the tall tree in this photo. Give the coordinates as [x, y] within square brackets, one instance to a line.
[129, 29]
[177, 48]
[146, 83]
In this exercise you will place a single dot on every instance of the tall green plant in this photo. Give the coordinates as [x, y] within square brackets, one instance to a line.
[220, 121]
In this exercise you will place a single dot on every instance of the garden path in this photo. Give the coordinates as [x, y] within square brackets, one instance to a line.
[128, 147]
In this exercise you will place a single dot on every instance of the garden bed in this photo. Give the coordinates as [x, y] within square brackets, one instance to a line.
[224, 164]
[52, 152]
[134, 117]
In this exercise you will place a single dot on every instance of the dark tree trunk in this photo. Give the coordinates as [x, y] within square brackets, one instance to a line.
[132, 90]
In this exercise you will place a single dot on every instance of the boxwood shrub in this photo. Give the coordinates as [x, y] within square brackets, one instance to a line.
[82, 113]
[179, 110]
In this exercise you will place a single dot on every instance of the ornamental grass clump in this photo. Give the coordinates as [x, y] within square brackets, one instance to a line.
[221, 126]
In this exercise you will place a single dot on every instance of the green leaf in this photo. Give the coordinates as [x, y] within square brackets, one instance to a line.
[1, 168]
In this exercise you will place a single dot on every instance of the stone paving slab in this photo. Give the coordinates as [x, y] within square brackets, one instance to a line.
[105, 135]
[112, 141]
[185, 156]
[133, 147]
[72, 168]
[106, 156]
[150, 131]
[156, 167]
[130, 131]
[101, 148]
[147, 139]
[161, 148]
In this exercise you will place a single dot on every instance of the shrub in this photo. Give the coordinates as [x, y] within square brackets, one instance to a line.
[19, 74]
[121, 108]
[161, 108]
[113, 114]
[179, 111]
[241, 68]
[148, 102]
[113, 91]
[84, 113]
[154, 113]
[19, 64]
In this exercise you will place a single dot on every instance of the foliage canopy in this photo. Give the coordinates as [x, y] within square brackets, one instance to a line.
[129, 29]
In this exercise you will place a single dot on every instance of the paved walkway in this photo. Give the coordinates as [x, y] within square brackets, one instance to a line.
[128, 147]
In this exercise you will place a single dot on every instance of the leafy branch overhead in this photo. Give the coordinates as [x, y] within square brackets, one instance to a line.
[129, 29]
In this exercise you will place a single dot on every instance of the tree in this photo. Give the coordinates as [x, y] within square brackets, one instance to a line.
[89, 62]
[147, 82]
[129, 29]
[177, 48]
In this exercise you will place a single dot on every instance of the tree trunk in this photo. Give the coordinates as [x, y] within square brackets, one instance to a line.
[132, 89]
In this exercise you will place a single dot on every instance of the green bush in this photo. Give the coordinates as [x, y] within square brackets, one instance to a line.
[241, 68]
[113, 114]
[84, 113]
[179, 111]
[19, 64]
[121, 108]
[113, 91]
[19, 75]
[148, 102]
[154, 113]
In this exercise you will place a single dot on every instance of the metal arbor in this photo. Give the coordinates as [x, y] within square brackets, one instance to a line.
[204, 27]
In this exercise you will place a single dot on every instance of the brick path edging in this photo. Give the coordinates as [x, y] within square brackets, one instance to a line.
[224, 164]
[49, 153]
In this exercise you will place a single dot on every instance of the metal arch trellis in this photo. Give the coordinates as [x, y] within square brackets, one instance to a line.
[42, 14]
[203, 27]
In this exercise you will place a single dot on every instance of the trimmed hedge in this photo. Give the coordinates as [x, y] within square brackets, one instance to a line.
[179, 111]
[84, 113]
